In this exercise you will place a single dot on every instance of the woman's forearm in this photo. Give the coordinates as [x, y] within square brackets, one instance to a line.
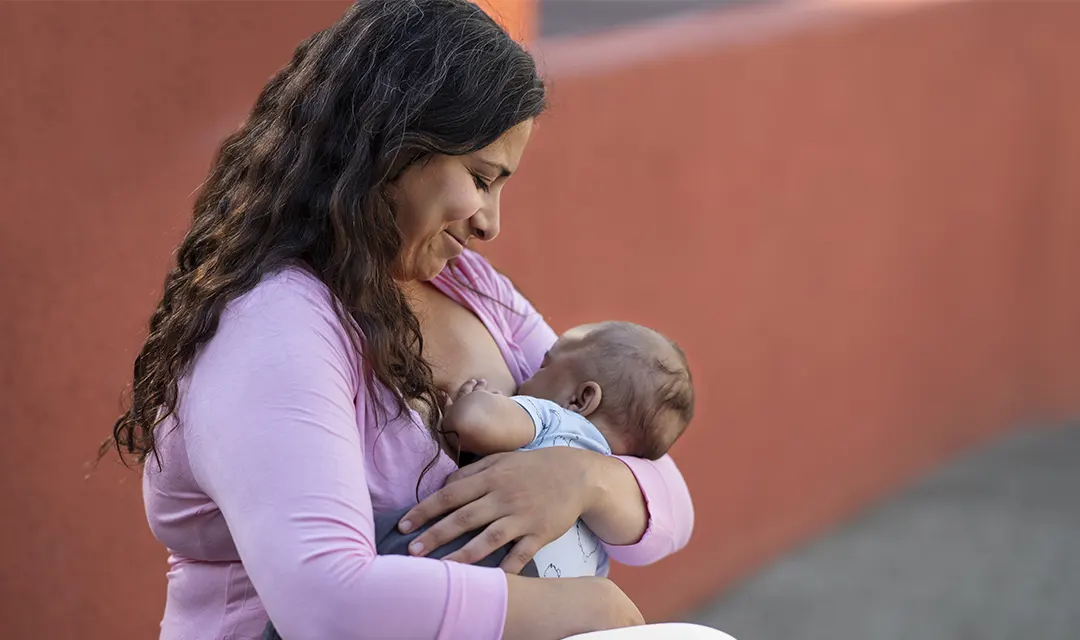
[617, 512]
[581, 604]
[671, 512]
[640, 509]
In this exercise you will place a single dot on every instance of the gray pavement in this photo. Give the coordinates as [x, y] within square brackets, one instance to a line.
[986, 548]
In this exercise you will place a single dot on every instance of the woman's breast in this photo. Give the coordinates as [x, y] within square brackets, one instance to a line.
[459, 347]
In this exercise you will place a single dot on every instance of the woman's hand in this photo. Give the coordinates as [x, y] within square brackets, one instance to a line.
[581, 605]
[532, 497]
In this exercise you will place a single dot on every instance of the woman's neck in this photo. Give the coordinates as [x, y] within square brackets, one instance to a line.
[418, 294]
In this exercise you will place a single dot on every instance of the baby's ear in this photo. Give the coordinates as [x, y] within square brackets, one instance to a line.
[586, 399]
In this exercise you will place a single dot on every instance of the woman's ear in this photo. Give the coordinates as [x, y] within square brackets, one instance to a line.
[586, 399]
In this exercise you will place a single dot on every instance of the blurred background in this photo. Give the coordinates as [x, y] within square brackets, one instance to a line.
[860, 218]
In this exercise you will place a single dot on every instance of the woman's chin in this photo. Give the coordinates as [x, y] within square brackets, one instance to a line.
[431, 270]
[425, 267]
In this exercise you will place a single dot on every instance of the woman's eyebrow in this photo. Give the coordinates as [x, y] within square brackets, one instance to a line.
[503, 171]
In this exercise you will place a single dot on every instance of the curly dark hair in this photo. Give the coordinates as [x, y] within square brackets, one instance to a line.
[302, 182]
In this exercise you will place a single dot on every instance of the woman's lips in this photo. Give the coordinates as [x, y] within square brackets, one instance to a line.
[460, 245]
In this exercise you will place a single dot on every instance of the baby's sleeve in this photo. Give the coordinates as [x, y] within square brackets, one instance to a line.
[539, 412]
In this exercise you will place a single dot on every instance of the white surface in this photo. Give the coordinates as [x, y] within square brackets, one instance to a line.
[662, 631]
[574, 554]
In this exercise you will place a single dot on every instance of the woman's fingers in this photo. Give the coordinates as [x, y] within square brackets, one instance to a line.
[513, 497]
[520, 555]
[468, 518]
[498, 533]
[445, 500]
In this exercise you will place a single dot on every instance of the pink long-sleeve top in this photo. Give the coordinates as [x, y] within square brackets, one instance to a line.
[266, 493]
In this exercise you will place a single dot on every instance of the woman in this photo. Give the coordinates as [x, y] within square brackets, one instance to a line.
[298, 363]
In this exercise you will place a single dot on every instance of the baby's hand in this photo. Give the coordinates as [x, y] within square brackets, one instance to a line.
[485, 421]
[471, 386]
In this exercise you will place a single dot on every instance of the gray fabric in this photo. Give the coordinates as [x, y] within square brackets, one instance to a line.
[391, 542]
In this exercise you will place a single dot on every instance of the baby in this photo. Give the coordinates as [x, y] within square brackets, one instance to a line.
[614, 388]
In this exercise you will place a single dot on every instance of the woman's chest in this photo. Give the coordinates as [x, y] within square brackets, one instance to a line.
[459, 347]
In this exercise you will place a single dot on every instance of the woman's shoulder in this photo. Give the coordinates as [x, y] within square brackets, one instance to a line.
[291, 295]
[289, 310]
[281, 334]
[291, 287]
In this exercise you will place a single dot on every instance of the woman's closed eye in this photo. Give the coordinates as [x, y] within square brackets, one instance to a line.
[481, 182]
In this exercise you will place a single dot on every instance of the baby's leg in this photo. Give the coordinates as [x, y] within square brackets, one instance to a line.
[574, 554]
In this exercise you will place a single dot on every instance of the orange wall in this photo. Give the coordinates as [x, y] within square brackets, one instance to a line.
[864, 232]
[861, 222]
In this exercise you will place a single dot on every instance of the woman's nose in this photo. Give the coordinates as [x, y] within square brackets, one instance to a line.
[485, 222]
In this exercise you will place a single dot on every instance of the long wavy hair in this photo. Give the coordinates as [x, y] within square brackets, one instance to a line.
[302, 182]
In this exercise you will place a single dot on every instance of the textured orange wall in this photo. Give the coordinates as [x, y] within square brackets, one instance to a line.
[865, 233]
[110, 116]
[861, 222]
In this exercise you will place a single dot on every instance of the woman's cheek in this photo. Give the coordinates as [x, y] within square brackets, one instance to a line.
[463, 202]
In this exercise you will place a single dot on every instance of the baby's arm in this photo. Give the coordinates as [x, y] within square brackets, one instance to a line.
[487, 422]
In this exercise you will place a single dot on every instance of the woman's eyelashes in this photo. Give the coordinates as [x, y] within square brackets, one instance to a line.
[481, 183]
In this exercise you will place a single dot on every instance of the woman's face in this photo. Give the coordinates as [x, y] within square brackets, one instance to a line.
[445, 202]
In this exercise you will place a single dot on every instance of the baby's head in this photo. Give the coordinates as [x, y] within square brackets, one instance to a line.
[631, 382]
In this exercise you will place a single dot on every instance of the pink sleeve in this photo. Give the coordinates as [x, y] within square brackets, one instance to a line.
[270, 423]
[671, 511]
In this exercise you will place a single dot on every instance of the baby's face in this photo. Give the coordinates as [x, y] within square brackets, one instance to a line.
[562, 370]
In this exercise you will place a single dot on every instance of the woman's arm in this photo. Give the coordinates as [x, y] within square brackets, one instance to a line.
[270, 424]
[539, 607]
[617, 512]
